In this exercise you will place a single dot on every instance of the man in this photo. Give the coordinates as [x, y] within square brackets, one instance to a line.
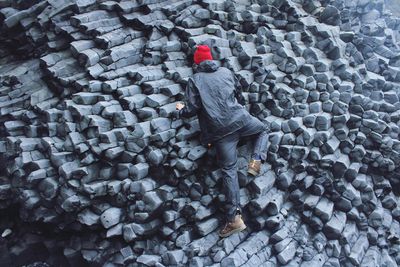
[213, 95]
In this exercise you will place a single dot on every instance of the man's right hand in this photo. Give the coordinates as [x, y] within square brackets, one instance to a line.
[179, 106]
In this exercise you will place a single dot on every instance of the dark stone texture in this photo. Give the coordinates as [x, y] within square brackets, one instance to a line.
[92, 153]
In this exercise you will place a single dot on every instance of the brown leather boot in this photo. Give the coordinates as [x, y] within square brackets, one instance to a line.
[254, 167]
[235, 226]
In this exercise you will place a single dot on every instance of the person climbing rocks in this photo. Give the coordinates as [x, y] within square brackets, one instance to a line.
[214, 95]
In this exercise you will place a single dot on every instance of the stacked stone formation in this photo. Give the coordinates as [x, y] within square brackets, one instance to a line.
[89, 147]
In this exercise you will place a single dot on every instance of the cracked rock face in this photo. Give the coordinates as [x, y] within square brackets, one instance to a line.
[99, 173]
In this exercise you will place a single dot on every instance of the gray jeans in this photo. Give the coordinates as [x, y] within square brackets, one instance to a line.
[227, 160]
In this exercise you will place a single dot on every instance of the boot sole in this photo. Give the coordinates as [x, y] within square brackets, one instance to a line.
[241, 228]
[253, 172]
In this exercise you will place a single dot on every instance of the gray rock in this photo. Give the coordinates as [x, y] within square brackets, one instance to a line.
[334, 227]
[139, 171]
[124, 119]
[110, 217]
[152, 201]
[88, 217]
[324, 209]
[174, 257]
[148, 260]
[157, 100]
[155, 157]
[207, 226]
[330, 15]
[359, 249]
[196, 152]
[287, 253]
[262, 184]
[285, 179]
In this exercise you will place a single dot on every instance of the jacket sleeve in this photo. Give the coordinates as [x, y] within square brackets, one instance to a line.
[192, 100]
[238, 91]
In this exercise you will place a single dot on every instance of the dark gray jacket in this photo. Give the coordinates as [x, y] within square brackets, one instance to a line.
[213, 95]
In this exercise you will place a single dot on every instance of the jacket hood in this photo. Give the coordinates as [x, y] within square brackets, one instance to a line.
[207, 66]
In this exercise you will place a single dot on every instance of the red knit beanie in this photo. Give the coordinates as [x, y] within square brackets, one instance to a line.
[202, 53]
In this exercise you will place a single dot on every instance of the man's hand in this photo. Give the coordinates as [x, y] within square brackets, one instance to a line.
[179, 106]
[176, 114]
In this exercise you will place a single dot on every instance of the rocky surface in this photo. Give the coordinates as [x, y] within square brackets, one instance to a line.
[98, 173]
